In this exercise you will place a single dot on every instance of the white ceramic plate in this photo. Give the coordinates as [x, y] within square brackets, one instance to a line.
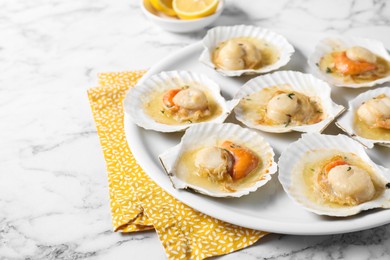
[269, 208]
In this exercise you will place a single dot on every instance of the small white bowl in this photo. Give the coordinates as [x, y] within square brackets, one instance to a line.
[176, 25]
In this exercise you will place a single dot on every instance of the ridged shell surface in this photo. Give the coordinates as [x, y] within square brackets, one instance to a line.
[291, 169]
[207, 135]
[296, 81]
[332, 44]
[140, 94]
[222, 33]
[346, 121]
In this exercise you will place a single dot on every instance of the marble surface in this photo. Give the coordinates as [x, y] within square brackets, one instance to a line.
[53, 186]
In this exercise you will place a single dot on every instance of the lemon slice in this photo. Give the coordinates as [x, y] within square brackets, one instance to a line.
[193, 9]
[164, 6]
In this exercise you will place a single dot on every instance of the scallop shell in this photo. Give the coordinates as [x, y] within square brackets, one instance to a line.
[140, 94]
[331, 44]
[223, 33]
[207, 134]
[300, 82]
[346, 121]
[290, 167]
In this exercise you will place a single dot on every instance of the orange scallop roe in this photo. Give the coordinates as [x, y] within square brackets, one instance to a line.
[347, 66]
[323, 176]
[245, 161]
[168, 97]
[333, 164]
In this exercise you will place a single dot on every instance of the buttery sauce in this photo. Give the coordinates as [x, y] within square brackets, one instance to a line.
[269, 53]
[187, 171]
[314, 163]
[254, 107]
[326, 65]
[154, 107]
[363, 130]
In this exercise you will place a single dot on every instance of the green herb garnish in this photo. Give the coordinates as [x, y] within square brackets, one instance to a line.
[289, 121]
[328, 70]
[349, 168]
[291, 95]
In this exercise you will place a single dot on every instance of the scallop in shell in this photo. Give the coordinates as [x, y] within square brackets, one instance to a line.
[220, 160]
[351, 62]
[286, 101]
[174, 100]
[333, 175]
[244, 49]
[370, 107]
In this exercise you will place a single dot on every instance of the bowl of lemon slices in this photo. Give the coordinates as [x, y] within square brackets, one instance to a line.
[182, 16]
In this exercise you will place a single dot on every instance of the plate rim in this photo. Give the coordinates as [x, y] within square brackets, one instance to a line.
[194, 201]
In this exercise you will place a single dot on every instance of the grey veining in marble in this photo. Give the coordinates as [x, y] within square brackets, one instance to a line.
[53, 186]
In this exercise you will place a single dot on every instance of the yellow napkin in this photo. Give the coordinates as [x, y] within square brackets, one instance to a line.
[137, 203]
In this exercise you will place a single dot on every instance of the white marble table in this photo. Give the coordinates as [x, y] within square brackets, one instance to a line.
[53, 186]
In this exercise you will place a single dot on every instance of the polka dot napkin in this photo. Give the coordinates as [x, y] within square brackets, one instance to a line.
[137, 203]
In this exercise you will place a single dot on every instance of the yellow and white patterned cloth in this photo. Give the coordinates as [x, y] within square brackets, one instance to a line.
[137, 203]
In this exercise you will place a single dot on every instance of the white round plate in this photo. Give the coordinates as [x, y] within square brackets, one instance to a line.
[269, 208]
